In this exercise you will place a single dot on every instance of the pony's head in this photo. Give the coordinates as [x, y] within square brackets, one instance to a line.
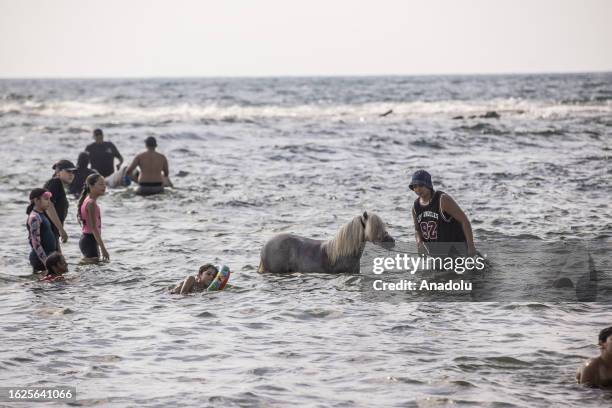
[351, 237]
[375, 231]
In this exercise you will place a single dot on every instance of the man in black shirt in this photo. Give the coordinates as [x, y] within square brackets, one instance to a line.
[102, 154]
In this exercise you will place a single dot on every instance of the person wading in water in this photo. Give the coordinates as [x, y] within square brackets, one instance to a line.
[153, 169]
[437, 217]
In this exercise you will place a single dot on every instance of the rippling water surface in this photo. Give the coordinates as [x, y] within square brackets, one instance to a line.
[255, 157]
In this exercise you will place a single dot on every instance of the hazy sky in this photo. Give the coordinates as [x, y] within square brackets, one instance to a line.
[135, 38]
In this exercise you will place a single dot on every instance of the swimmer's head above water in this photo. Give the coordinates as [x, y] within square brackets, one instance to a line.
[56, 264]
[605, 339]
[206, 274]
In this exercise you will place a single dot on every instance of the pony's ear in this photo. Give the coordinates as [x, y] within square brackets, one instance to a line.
[365, 215]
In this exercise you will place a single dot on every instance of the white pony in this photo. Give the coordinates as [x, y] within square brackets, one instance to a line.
[291, 253]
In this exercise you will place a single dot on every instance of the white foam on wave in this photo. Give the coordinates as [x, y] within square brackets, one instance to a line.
[415, 109]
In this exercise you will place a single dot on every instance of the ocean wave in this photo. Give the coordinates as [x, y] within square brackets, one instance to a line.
[371, 111]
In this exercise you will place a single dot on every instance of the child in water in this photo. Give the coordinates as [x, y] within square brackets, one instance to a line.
[199, 283]
[56, 268]
[40, 234]
[89, 215]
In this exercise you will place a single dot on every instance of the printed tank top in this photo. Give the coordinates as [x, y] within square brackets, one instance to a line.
[436, 226]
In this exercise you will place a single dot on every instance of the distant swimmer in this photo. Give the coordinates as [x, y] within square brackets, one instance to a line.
[102, 154]
[56, 268]
[40, 235]
[153, 167]
[80, 174]
[437, 217]
[58, 209]
[208, 278]
[597, 372]
[90, 217]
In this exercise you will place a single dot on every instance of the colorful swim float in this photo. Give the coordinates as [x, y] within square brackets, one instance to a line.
[220, 279]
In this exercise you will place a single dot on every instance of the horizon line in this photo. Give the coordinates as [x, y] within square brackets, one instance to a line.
[145, 77]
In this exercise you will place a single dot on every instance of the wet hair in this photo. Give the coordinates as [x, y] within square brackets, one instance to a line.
[34, 194]
[89, 181]
[83, 160]
[150, 142]
[52, 260]
[98, 132]
[604, 334]
[207, 266]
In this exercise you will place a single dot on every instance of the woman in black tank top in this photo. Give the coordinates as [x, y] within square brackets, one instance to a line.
[437, 217]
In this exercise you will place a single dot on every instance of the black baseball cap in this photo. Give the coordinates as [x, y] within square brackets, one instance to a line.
[64, 165]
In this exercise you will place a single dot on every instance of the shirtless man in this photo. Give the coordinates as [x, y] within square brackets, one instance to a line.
[597, 371]
[153, 169]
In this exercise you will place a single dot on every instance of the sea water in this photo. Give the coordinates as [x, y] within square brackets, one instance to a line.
[254, 157]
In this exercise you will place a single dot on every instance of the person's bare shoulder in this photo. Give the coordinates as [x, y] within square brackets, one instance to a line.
[589, 373]
[447, 200]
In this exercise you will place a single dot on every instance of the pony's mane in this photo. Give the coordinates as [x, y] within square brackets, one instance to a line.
[375, 228]
[348, 241]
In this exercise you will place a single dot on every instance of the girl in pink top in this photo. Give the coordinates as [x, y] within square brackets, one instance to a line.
[88, 214]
